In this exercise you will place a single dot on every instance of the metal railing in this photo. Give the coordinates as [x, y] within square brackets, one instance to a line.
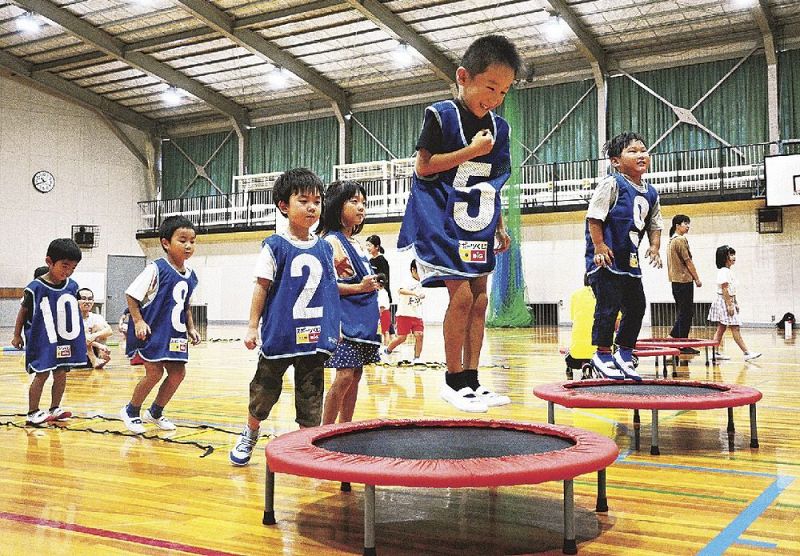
[723, 172]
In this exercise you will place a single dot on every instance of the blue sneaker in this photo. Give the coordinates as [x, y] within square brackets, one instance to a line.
[623, 359]
[603, 364]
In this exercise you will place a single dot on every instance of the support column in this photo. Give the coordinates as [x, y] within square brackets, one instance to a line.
[345, 120]
[602, 111]
[153, 153]
[243, 150]
[773, 106]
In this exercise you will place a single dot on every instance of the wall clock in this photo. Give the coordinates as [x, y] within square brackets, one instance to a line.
[43, 181]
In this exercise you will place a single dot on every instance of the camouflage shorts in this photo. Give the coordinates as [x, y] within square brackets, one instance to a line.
[309, 386]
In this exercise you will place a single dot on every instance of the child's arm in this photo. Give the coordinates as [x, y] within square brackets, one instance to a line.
[404, 291]
[369, 283]
[501, 235]
[428, 164]
[142, 328]
[729, 301]
[22, 316]
[655, 244]
[191, 331]
[260, 291]
[603, 256]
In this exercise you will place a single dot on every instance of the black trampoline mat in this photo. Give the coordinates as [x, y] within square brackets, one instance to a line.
[649, 390]
[415, 442]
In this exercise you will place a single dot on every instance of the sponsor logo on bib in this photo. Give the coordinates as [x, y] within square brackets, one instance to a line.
[634, 260]
[180, 345]
[307, 334]
[63, 352]
[472, 251]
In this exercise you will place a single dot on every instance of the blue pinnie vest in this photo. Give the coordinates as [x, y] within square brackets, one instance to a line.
[624, 228]
[166, 316]
[302, 313]
[54, 334]
[360, 312]
[451, 218]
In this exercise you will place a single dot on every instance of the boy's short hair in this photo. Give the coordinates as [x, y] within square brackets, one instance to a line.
[723, 252]
[173, 223]
[64, 249]
[414, 265]
[617, 144]
[85, 290]
[488, 50]
[295, 181]
[41, 271]
[336, 195]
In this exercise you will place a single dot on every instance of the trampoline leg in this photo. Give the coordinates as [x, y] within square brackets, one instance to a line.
[637, 424]
[731, 428]
[551, 413]
[602, 500]
[654, 434]
[569, 519]
[369, 520]
[753, 427]
[269, 499]
[713, 356]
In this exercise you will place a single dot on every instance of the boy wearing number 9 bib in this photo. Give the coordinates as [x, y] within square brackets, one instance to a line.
[297, 301]
[53, 328]
[161, 324]
[453, 222]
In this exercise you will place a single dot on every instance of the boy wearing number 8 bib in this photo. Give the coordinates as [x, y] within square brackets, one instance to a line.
[453, 222]
[161, 325]
[53, 328]
[297, 301]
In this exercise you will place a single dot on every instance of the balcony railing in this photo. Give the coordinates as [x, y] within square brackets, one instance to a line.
[724, 172]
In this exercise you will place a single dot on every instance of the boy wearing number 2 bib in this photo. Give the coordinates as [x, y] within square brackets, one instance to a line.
[453, 221]
[53, 328]
[161, 326]
[296, 299]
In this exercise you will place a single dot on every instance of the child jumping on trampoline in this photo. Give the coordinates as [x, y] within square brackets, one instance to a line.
[297, 301]
[453, 220]
[623, 208]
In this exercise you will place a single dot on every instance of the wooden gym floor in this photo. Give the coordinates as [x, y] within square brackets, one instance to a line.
[90, 487]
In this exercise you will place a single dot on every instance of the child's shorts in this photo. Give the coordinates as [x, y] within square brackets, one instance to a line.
[386, 321]
[407, 325]
[354, 355]
[309, 386]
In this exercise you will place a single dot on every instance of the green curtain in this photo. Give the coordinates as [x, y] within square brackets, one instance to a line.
[178, 171]
[397, 128]
[541, 108]
[310, 144]
[789, 93]
[736, 110]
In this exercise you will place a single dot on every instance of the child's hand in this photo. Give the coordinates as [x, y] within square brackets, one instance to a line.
[370, 283]
[17, 341]
[654, 256]
[603, 255]
[142, 330]
[483, 142]
[503, 240]
[421, 295]
[250, 338]
[194, 336]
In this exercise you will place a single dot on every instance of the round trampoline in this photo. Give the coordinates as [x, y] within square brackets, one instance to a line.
[659, 351]
[669, 341]
[654, 395]
[441, 454]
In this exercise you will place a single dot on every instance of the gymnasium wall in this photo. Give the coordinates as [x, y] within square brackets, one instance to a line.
[98, 182]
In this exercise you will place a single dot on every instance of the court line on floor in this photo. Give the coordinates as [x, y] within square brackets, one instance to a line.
[115, 535]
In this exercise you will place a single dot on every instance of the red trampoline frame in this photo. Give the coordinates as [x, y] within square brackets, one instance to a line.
[669, 341]
[728, 396]
[295, 453]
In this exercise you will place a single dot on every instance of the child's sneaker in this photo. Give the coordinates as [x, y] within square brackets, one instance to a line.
[162, 422]
[417, 361]
[385, 354]
[750, 355]
[720, 356]
[464, 399]
[490, 398]
[240, 454]
[623, 359]
[37, 418]
[133, 424]
[59, 414]
[603, 363]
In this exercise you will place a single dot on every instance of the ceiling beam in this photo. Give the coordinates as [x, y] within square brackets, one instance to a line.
[766, 24]
[586, 43]
[261, 47]
[392, 23]
[84, 97]
[116, 48]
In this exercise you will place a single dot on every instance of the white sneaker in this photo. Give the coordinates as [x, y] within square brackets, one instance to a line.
[750, 355]
[37, 418]
[490, 398]
[385, 354]
[623, 359]
[603, 363]
[721, 356]
[133, 424]
[59, 414]
[465, 399]
[162, 422]
[417, 361]
[240, 454]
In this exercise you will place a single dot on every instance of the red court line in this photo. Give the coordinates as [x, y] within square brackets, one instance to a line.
[40, 522]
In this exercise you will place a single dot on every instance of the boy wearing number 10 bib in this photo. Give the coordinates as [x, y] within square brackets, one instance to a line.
[453, 222]
[161, 324]
[53, 328]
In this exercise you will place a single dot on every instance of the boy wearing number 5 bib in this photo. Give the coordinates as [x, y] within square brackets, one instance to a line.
[453, 222]
[296, 299]
[53, 328]
[161, 325]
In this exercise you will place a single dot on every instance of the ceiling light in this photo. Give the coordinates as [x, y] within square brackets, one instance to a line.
[28, 23]
[172, 96]
[404, 55]
[744, 3]
[279, 77]
[554, 29]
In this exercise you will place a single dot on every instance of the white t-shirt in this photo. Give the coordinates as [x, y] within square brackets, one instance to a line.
[605, 196]
[410, 305]
[265, 265]
[724, 275]
[145, 287]
[383, 298]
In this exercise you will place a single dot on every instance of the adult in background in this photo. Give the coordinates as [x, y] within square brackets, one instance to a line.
[378, 262]
[683, 275]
